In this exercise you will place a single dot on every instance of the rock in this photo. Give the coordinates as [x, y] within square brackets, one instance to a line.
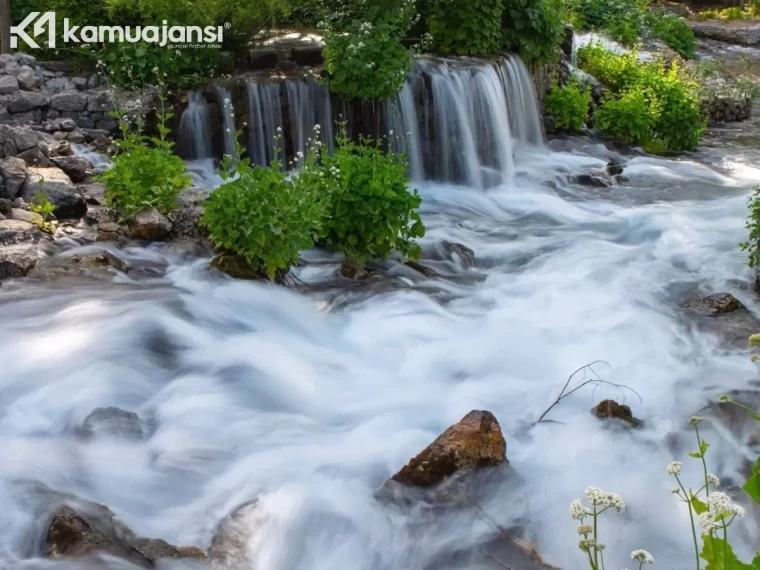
[235, 266]
[307, 55]
[12, 68]
[107, 124]
[263, 58]
[69, 101]
[21, 204]
[103, 259]
[57, 186]
[591, 180]
[723, 315]
[34, 157]
[25, 216]
[188, 248]
[614, 168]
[60, 84]
[112, 421]
[25, 59]
[8, 85]
[568, 40]
[713, 305]
[24, 101]
[62, 148]
[150, 225]
[80, 83]
[20, 139]
[458, 251]
[100, 102]
[94, 81]
[75, 166]
[608, 409]
[109, 231]
[28, 80]
[16, 231]
[353, 270]
[428, 272]
[14, 174]
[5, 59]
[188, 213]
[740, 35]
[6, 206]
[93, 529]
[229, 548]
[93, 193]
[16, 263]
[475, 441]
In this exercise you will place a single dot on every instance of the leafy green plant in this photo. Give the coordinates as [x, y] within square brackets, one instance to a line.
[264, 216]
[533, 28]
[658, 107]
[372, 212]
[366, 59]
[144, 176]
[675, 32]
[752, 245]
[466, 27]
[44, 209]
[569, 105]
[624, 20]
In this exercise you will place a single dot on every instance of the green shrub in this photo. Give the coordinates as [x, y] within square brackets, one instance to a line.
[569, 106]
[263, 215]
[466, 27]
[145, 176]
[372, 212]
[366, 59]
[615, 71]
[624, 20]
[752, 245]
[533, 28]
[675, 32]
[659, 106]
[630, 118]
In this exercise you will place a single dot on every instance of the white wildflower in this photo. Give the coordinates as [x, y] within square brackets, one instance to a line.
[707, 522]
[577, 510]
[617, 502]
[585, 530]
[155, 70]
[587, 544]
[713, 480]
[597, 497]
[737, 510]
[674, 468]
[642, 556]
[694, 420]
[719, 503]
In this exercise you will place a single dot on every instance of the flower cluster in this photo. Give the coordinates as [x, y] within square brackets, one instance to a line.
[674, 468]
[642, 556]
[719, 507]
[603, 499]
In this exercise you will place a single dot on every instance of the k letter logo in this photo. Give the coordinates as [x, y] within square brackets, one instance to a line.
[38, 29]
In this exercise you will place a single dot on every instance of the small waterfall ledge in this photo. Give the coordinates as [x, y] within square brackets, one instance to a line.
[459, 119]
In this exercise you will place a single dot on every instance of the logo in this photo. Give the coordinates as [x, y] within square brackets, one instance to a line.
[39, 28]
[161, 35]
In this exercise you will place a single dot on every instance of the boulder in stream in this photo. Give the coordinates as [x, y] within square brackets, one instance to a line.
[150, 225]
[475, 441]
[610, 409]
[114, 422]
[725, 316]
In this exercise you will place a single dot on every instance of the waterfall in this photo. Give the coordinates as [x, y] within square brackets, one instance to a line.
[265, 118]
[458, 119]
[228, 121]
[194, 135]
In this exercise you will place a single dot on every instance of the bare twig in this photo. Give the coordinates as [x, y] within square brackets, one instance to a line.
[499, 562]
[596, 381]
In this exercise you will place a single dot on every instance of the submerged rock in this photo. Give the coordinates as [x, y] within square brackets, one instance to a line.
[475, 441]
[723, 315]
[235, 266]
[428, 272]
[459, 252]
[188, 214]
[15, 263]
[91, 529]
[610, 409]
[113, 421]
[230, 546]
[350, 269]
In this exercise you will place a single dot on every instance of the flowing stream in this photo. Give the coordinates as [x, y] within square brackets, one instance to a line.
[308, 402]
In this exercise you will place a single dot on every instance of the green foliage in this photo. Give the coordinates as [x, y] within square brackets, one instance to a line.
[752, 486]
[720, 556]
[369, 62]
[630, 118]
[466, 27]
[675, 32]
[624, 20]
[533, 28]
[372, 212]
[752, 245]
[44, 209]
[569, 106]
[143, 176]
[657, 106]
[262, 215]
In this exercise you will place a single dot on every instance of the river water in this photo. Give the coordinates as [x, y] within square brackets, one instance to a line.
[308, 402]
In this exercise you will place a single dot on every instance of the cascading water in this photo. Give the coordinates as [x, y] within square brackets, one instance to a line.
[308, 105]
[265, 112]
[194, 134]
[228, 121]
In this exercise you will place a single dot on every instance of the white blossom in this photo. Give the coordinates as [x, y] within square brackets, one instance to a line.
[674, 468]
[719, 503]
[713, 480]
[737, 510]
[694, 420]
[707, 523]
[642, 556]
[577, 510]
[585, 530]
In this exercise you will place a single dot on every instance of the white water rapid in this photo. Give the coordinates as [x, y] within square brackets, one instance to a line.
[308, 402]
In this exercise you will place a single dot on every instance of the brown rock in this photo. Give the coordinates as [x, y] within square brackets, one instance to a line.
[428, 272]
[712, 305]
[610, 409]
[150, 225]
[229, 547]
[235, 266]
[475, 441]
[103, 259]
[457, 250]
[353, 270]
[16, 263]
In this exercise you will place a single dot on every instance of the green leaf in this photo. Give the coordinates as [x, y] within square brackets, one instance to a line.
[716, 550]
[752, 486]
[698, 506]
